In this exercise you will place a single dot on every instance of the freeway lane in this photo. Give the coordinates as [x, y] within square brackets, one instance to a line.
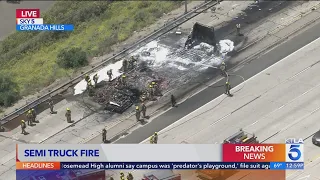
[210, 93]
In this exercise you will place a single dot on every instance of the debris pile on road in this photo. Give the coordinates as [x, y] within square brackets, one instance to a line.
[118, 97]
[166, 65]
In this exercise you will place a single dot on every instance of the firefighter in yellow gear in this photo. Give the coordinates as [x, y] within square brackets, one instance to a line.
[51, 105]
[125, 65]
[143, 110]
[87, 77]
[223, 69]
[123, 79]
[156, 89]
[129, 177]
[143, 97]
[223, 66]
[68, 115]
[104, 135]
[238, 26]
[151, 90]
[29, 117]
[34, 115]
[110, 74]
[138, 112]
[132, 62]
[122, 176]
[23, 127]
[95, 79]
[90, 88]
[151, 139]
[173, 101]
[89, 84]
[228, 88]
[154, 138]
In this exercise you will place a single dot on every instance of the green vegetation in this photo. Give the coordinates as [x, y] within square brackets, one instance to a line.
[8, 90]
[36, 59]
[72, 58]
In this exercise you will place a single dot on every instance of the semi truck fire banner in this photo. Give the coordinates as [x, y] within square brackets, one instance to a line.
[164, 156]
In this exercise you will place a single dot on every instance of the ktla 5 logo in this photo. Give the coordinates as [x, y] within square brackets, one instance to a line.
[294, 153]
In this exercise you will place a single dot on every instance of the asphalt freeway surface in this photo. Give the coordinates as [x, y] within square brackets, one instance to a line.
[216, 90]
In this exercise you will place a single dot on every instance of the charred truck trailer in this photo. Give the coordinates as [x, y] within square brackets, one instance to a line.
[123, 99]
[201, 34]
[120, 94]
[118, 100]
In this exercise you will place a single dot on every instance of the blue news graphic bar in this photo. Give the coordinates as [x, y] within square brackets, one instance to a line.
[286, 165]
[164, 165]
[294, 165]
[45, 27]
[278, 165]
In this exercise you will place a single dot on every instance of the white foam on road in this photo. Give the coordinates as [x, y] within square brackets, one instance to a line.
[205, 47]
[226, 46]
[199, 58]
[102, 74]
[158, 56]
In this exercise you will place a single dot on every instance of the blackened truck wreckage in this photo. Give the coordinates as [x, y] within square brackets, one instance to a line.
[117, 97]
[201, 34]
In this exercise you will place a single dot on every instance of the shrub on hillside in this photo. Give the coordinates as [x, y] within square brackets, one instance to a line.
[9, 93]
[72, 58]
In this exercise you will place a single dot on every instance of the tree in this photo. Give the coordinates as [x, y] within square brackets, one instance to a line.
[9, 92]
[72, 58]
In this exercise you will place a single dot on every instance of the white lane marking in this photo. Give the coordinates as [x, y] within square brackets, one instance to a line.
[304, 178]
[315, 159]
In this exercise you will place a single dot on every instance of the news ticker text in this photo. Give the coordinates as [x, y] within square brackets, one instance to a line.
[162, 165]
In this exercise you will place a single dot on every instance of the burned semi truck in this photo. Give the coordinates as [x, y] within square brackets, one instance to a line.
[122, 99]
[240, 137]
[201, 34]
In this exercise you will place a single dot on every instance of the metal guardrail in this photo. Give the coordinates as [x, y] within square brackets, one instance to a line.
[165, 29]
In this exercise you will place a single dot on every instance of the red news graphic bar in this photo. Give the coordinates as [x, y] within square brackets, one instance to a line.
[27, 13]
[254, 152]
[38, 165]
